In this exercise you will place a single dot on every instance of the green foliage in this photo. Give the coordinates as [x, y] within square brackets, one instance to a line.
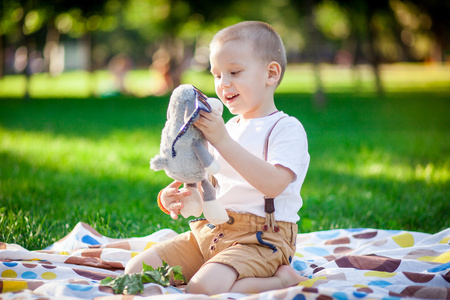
[130, 284]
[332, 20]
[133, 284]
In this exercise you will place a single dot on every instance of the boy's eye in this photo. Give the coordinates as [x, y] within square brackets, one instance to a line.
[235, 72]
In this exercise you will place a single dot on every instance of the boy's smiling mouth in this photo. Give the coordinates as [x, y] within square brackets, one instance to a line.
[231, 97]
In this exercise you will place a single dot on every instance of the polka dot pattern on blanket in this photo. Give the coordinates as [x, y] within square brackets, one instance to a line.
[340, 264]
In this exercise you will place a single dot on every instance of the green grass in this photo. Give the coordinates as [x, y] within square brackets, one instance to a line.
[375, 162]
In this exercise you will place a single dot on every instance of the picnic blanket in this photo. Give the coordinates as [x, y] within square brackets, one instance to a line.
[340, 264]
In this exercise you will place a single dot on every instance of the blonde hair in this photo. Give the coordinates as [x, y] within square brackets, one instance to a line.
[267, 44]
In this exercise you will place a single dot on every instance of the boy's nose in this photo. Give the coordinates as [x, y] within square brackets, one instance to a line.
[224, 82]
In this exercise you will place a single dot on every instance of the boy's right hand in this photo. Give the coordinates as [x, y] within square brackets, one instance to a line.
[172, 198]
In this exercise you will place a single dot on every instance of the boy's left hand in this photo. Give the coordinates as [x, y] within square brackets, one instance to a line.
[212, 126]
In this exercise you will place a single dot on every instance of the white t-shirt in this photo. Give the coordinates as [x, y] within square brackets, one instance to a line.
[288, 146]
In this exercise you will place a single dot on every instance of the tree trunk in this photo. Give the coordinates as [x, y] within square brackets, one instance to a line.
[177, 62]
[319, 97]
[2, 55]
[51, 51]
[375, 58]
[27, 70]
[91, 84]
[357, 55]
[26, 40]
[170, 62]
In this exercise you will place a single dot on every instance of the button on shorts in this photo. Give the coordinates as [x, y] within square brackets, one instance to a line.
[240, 243]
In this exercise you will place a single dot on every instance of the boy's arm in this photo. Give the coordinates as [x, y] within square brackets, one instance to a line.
[270, 180]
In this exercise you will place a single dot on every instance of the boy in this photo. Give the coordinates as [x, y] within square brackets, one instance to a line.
[243, 255]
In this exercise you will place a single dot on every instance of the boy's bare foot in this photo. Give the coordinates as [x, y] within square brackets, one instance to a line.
[288, 276]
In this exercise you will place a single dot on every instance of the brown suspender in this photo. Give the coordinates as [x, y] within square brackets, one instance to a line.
[266, 143]
[269, 205]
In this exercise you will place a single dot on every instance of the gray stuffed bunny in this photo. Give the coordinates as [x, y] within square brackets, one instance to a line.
[184, 155]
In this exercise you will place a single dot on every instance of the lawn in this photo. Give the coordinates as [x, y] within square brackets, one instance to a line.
[379, 162]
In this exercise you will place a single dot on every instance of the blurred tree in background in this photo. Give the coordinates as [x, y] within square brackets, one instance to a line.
[170, 36]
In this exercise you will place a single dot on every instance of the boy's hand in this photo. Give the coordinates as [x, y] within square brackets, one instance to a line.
[212, 126]
[172, 198]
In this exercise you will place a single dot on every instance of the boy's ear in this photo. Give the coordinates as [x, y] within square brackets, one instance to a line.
[273, 73]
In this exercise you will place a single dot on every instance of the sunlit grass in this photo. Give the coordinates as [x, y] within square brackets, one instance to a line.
[386, 169]
[375, 162]
[79, 154]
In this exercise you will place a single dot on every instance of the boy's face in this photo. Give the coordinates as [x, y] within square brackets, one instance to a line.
[240, 78]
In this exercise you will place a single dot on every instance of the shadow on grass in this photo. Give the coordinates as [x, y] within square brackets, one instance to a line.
[55, 200]
[87, 118]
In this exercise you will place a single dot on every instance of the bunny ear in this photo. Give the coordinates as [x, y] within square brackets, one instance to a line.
[201, 100]
[201, 103]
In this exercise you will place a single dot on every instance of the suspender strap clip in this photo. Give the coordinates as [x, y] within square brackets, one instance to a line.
[269, 206]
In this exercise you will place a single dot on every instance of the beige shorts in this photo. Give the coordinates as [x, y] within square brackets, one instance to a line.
[240, 243]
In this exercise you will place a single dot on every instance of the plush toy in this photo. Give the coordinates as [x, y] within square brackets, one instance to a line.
[184, 155]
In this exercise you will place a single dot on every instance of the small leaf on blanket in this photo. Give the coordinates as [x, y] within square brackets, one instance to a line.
[159, 276]
[132, 284]
[177, 275]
